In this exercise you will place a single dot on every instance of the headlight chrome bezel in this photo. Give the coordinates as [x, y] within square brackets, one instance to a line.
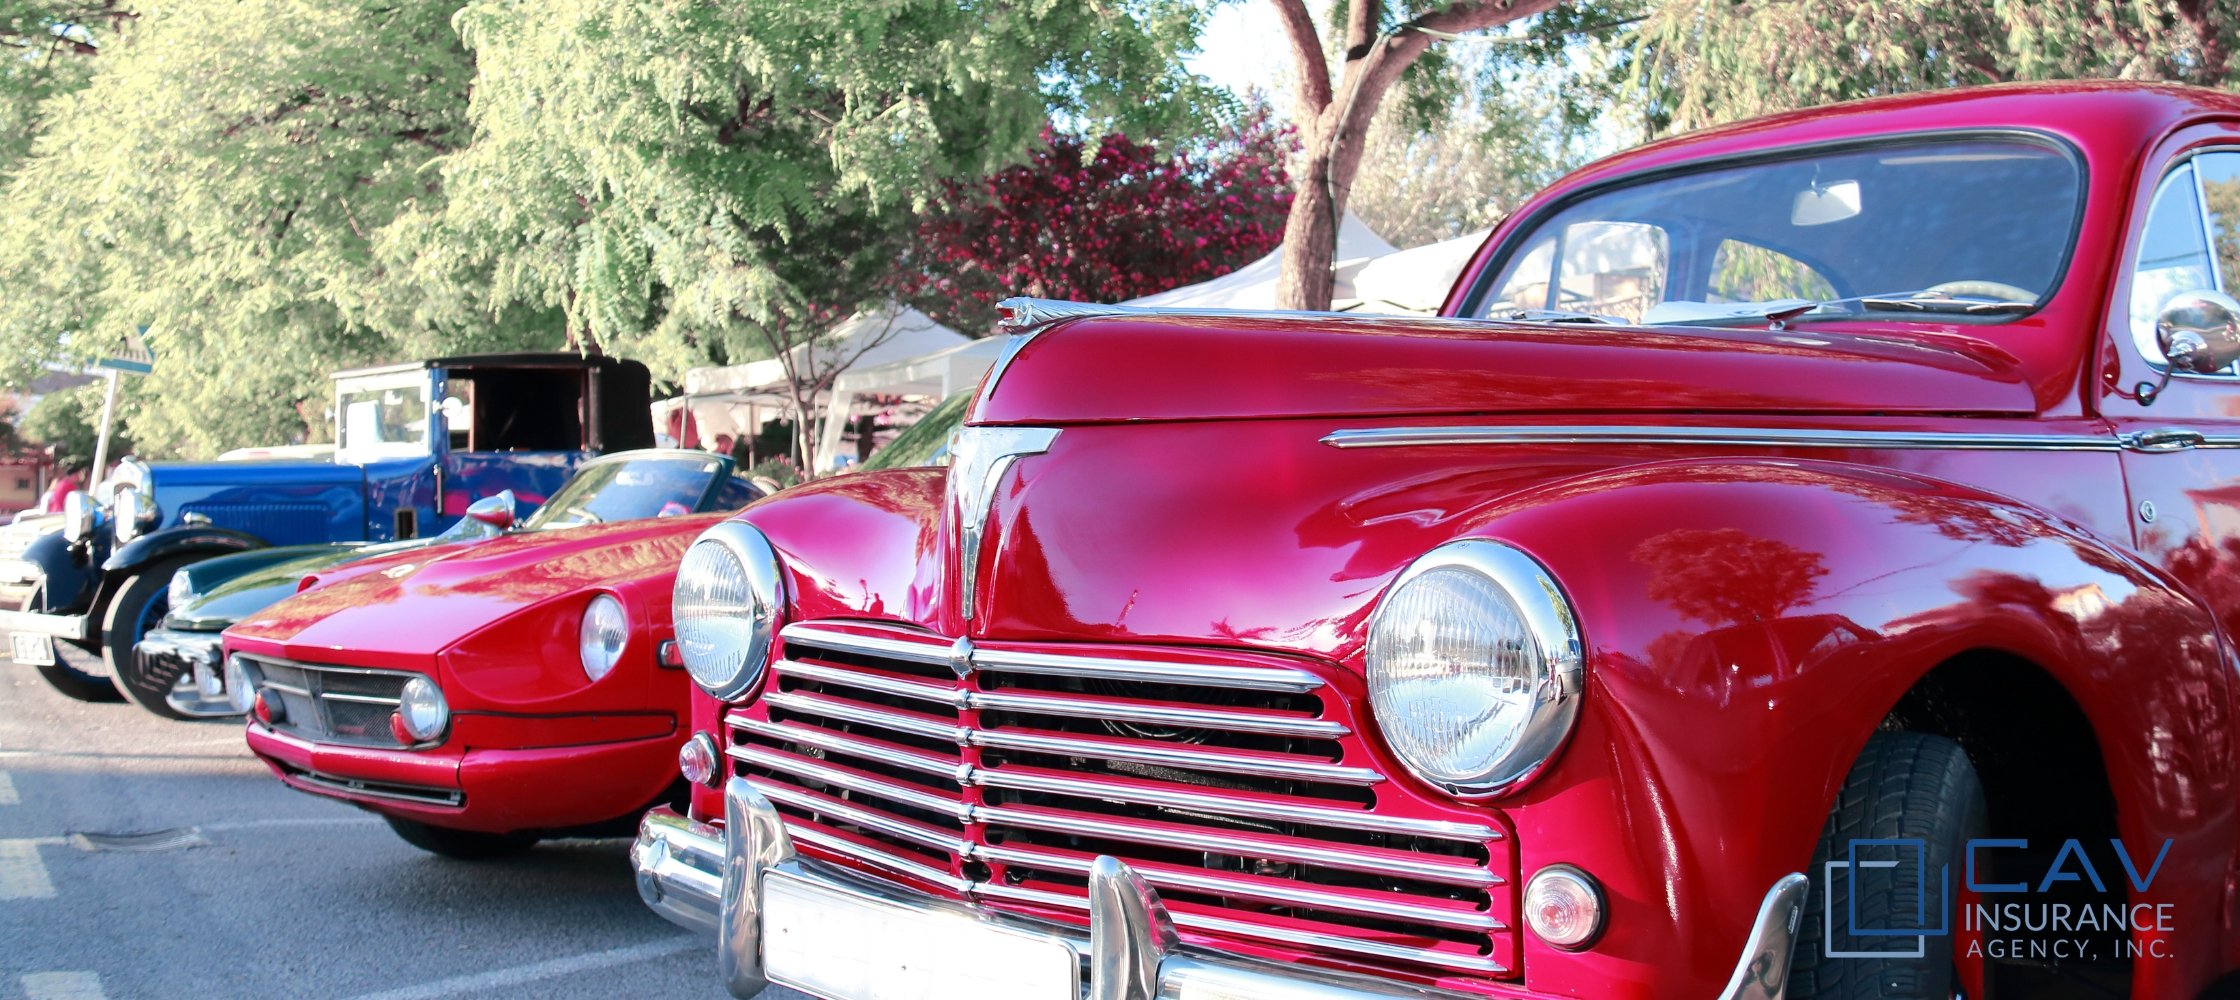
[723, 672]
[422, 692]
[81, 516]
[1559, 678]
[133, 511]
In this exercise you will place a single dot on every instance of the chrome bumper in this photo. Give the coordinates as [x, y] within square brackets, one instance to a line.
[60, 626]
[196, 662]
[710, 880]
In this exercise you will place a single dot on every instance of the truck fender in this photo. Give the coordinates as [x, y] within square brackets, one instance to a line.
[69, 578]
[180, 540]
[1749, 624]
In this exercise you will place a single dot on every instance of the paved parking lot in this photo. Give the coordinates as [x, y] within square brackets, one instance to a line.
[256, 890]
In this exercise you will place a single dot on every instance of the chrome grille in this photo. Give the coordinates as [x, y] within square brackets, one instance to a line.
[329, 704]
[1234, 783]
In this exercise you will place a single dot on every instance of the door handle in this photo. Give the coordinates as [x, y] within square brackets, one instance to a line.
[2162, 439]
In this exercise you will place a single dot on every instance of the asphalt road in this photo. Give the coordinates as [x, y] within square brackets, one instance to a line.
[264, 891]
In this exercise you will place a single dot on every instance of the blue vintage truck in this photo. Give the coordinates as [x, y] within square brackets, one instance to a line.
[415, 443]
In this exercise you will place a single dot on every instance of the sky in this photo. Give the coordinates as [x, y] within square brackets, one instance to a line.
[1243, 47]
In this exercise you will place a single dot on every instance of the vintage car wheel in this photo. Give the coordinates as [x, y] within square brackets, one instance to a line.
[74, 683]
[465, 845]
[139, 605]
[1903, 786]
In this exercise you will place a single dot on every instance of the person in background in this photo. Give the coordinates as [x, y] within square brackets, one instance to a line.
[69, 478]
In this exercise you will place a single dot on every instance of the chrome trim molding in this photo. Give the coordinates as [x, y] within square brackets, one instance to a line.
[963, 658]
[978, 458]
[71, 627]
[1133, 945]
[1752, 437]
[1762, 973]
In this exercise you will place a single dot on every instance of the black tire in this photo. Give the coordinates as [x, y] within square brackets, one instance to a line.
[1903, 786]
[139, 606]
[464, 845]
[72, 682]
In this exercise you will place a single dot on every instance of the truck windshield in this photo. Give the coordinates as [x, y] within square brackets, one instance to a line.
[628, 489]
[1956, 227]
[386, 418]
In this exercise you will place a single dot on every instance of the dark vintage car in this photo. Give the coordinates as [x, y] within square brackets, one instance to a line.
[416, 443]
[180, 659]
[483, 697]
[1803, 560]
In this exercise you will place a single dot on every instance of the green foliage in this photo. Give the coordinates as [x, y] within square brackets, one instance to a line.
[223, 182]
[70, 421]
[1706, 61]
[47, 48]
[713, 181]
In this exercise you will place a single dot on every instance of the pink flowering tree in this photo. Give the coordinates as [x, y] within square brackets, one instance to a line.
[1128, 219]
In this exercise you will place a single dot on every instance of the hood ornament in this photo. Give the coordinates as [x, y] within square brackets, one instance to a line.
[978, 458]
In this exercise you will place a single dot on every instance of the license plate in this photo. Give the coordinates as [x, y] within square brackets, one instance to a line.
[31, 648]
[834, 942]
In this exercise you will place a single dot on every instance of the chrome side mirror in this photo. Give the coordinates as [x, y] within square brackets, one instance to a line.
[2199, 332]
[495, 510]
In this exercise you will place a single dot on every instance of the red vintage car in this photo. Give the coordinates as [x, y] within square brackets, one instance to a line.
[1800, 562]
[448, 688]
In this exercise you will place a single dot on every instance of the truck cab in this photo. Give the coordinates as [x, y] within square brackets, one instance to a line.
[415, 444]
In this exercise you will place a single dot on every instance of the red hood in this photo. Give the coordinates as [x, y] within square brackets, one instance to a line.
[420, 603]
[1135, 368]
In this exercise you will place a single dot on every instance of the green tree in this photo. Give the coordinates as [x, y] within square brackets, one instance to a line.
[227, 196]
[721, 181]
[1701, 62]
[46, 49]
[69, 420]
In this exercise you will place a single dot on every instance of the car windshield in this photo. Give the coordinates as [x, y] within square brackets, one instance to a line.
[382, 418]
[924, 442]
[1957, 227]
[628, 489]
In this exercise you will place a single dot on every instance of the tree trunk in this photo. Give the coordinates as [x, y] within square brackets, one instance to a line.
[1310, 240]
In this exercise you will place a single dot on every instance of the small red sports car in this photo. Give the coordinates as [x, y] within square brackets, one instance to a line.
[486, 695]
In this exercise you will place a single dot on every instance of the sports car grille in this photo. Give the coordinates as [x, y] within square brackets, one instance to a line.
[330, 704]
[1237, 784]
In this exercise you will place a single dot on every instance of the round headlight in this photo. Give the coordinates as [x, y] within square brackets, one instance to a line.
[726, 607]
[240, 692]
[1474, 667]
[422, 711]
[133, 512]
[604, 632]
[79, 513]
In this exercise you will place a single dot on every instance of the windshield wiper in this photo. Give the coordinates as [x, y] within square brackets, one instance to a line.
[1923, 301]
[1941, 304]
[1555, 316]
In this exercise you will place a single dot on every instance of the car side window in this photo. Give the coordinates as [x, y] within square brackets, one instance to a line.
[2220, 195]
[2173, 255]
[1604, 268]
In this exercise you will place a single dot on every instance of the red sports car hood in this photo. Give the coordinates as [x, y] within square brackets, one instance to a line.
[1136, 368]
[420, 603]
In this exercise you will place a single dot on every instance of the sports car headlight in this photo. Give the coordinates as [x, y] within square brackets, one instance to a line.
[600, 639]
[421, 711]
[726, 607]
[79, 515]
[1474, 667]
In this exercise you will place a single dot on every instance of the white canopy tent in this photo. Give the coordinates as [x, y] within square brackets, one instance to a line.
[1415, 280]
[1253, 286]
[933, 377]
[735, 400]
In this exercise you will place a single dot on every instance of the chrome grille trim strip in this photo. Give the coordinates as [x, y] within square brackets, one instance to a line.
[1225, 805]
[1750, 437]
[838, 743]
[1238, 842]
[804, 767]
[1218, 925]
[827, 806]
[1201, 674]
[862, 852]
[927, 691]
[1295, 893]
[819, 705]
[1199, 759]
[934, 650]
[360, 699]
[1158, 715]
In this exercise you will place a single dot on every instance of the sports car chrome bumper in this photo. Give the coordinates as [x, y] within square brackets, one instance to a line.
[711, 880]
[190, 665]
